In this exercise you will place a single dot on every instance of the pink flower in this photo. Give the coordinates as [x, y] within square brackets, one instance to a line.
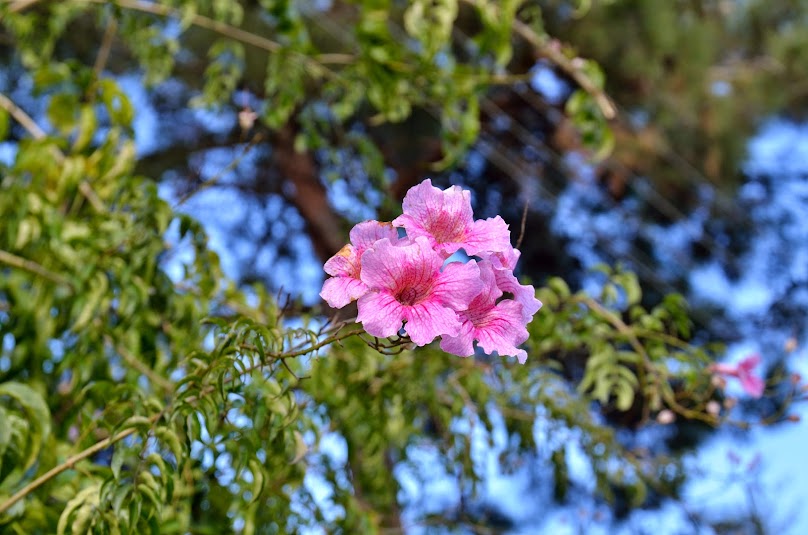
[744, 372]
[445, 218]
[406, 284]
[345, 284]
[496, 326]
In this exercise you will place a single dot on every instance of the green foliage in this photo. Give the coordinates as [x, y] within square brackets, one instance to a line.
[587, 116]
[431, 23]
[630, 352]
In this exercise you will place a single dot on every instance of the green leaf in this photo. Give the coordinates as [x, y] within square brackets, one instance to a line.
[258, 479]
[431, 22]
[5, 122]
[82, 519]
[87, 495]
[37, 413]
[117, 103]
[300, 447]
[117, 461]
[63, 111]
[150, 494]
[170, 439]
[5, 435]
[87, 127]
[559, 286]
[625, 396]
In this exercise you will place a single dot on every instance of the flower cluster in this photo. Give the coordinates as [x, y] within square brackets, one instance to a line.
[411, 280]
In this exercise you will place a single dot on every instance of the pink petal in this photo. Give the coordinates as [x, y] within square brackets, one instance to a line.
[339, 291]
[365, 234]
[748, 364]
[490, 291]
[428, 320]
[461, 345]
[752, 385]
[524, 294]
[502, 329]
[345, 263]
[506, 259]
[724, 369]
[488, 235]
[458, 284]
[416, 229]
[380, 314]
[389, 267]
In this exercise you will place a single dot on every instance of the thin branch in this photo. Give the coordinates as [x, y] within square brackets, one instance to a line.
[66, 465]
[106, 46]
[89, 193]
[274, 357]
[315, 347]
[32, 267]
[21, 117]
[257, 138]
[19, 5]
[522, 229]
[548, 49]
[140, 366]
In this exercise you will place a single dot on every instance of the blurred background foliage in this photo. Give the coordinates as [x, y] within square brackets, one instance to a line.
[145, 387]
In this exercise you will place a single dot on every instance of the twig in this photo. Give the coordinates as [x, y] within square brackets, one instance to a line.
[19, 5]
[257, 138]
[140, 366]
[524, 222]
[549, 51]
[106, 47]
[21, 117]
[32, 267]
[315, 347]
[66, 465]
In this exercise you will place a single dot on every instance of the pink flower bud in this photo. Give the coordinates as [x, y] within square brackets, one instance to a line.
[666, 416]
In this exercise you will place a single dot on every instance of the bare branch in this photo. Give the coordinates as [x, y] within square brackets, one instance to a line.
[21, 117]
[32, 267]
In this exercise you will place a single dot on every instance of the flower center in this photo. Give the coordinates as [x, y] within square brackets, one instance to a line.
[446, 228]
[478, 316]
[410, 295]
